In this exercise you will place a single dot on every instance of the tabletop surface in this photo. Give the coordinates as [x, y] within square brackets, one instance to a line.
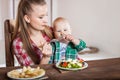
[105, 69]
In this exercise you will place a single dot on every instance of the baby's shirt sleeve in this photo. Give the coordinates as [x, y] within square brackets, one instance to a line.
[80, 46]
[53, 51]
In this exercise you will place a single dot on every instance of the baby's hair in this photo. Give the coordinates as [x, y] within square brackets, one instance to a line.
[59, 19]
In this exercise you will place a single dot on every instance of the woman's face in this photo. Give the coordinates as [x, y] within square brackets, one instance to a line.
[38, 17]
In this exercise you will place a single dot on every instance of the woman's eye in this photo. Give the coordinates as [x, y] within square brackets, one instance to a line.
[65, 29]
[41, 17]
[58, 31]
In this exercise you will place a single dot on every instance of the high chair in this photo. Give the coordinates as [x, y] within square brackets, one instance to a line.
[8, 30]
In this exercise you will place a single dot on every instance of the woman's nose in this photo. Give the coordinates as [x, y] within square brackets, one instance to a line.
[45, 20]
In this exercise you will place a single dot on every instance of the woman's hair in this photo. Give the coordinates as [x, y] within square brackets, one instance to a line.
[21, 26]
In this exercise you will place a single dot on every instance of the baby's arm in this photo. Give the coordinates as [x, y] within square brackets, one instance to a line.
[72, 39]
[75, 41]
[79, 44]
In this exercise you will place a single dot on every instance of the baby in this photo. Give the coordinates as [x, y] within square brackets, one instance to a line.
[64, 46]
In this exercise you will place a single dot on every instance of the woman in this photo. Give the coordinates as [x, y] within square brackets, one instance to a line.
[32, 35]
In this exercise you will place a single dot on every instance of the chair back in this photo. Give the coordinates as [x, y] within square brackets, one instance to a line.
[8, 30]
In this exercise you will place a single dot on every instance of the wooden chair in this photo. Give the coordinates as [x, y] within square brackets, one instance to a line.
[8, 30]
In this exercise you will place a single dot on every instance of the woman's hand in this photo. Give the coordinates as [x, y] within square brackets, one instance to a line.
[47, 50]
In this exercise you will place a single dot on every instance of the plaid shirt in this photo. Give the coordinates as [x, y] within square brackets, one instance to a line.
[21, 54]
[71, 51]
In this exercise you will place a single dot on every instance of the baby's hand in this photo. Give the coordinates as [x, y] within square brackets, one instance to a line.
[47, 50]
[69, 37]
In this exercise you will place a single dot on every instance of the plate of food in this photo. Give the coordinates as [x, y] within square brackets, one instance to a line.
[71, 64]
[26, 73]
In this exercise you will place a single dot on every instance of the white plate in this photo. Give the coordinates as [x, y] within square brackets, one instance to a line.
[85, 66]
[33, 78]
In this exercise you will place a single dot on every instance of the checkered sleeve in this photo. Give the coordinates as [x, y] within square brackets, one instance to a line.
[81, 46]
[20, 53]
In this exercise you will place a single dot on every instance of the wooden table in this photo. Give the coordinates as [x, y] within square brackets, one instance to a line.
[106, 69]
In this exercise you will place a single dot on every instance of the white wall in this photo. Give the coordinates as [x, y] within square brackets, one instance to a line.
[6, 12]
[95, 21]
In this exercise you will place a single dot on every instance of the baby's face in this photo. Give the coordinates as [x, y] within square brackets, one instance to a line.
[61, 29]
